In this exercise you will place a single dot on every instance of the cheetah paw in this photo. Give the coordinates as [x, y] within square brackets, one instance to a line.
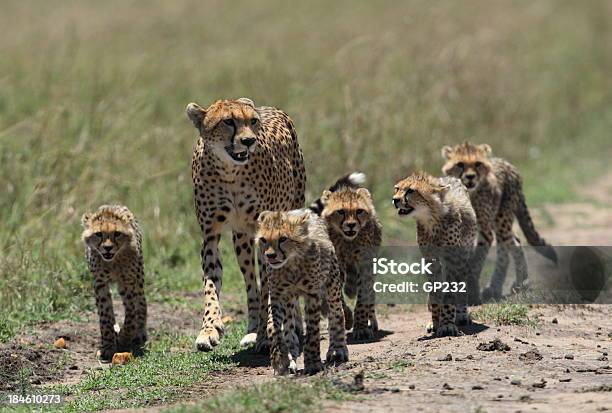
[292, 367]
[447, 330]
[248, 340]
[105, 355]
[374, 324]
[313, 368]
[280, 363]
[430, 328]
[337, 355]
[363, 333]
[208, 338]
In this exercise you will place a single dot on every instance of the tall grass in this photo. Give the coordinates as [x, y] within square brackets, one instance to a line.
[92, 98]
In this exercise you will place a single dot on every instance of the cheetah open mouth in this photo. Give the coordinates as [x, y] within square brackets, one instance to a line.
[470, 185]
[108, 256]
[405, 211]
[350, 233]
[240, 157]
[275, 263]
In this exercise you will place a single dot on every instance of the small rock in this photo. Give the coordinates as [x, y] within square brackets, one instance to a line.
[412, 387]
[448, 357]
[36, 381]
[539, 385]
[469, 357]
[525, 398]
[74, 367]
[515, 382]
[493, 345]
[531, 355]
[477, 387]
[602, 358]
[605, 353]
[122, 358]
[569, 356]
[447, 386]
[395, 390]
[565, 380]
[497, 378]
[60, 343]
[555, 321]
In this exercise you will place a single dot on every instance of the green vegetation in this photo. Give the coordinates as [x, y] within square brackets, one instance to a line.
[169, 366]
[285, 395]
[505, 314]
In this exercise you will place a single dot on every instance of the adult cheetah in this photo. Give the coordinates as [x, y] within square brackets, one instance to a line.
[446, 233]
[301, 262]
[113, 250]
[496, 193]
[356, 233]
[246, 160]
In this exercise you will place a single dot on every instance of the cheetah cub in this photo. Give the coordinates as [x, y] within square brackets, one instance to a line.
[496, 192]
[113, 250]
[446, 233]
[301, 261]
[355, 231]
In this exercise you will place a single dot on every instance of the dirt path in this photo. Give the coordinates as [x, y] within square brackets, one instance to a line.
[556, 366]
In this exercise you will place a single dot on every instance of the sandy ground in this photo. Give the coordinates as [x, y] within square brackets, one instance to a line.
[560, 365]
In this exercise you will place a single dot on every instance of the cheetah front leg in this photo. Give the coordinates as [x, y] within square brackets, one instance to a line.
[279, 352]
[212, 273]
[104, 304]
[312, 345]
[365, 306]
[520, 264]
[338, 351]
[133, 333]
[245, 254]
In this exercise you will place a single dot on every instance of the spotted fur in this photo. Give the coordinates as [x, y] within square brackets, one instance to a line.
[446, 233]
[496, 193]
[356, 233]
[246, 160]
[301, 261]
[113, 250]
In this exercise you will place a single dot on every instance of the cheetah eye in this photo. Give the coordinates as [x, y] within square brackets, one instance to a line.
[360, 211]
[117, 234]
[254, 121]
[98, 234]
[263, 241]
[282, 239]
[410, 191]
[229, 122]
[460, 165]
[478, 164]
[341, 212]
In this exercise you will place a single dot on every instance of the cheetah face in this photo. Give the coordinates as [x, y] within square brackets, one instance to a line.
[282, 236]
[107, 242]
[228, 128]
[417, 196]
[470, 163]
[347, 210]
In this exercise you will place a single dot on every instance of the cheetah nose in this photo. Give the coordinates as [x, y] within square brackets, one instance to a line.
[248, 141]
[271, 255]
[470, 176]
[396, 202]
[351, 225]
[107, 248]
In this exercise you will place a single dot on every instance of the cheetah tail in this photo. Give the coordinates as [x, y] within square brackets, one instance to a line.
[534, 239]
[352, 180]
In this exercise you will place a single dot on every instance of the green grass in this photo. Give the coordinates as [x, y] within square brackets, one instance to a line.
[93, 95]
[505, 314]
[169, 366]
[284, 395]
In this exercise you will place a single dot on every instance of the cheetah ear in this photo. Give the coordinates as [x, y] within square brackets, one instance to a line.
[364, 192]
[246, 101]
[446, 152]
[325, 195]
[196, 114]
[263, 216]
[485, 148]
[85, 219]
